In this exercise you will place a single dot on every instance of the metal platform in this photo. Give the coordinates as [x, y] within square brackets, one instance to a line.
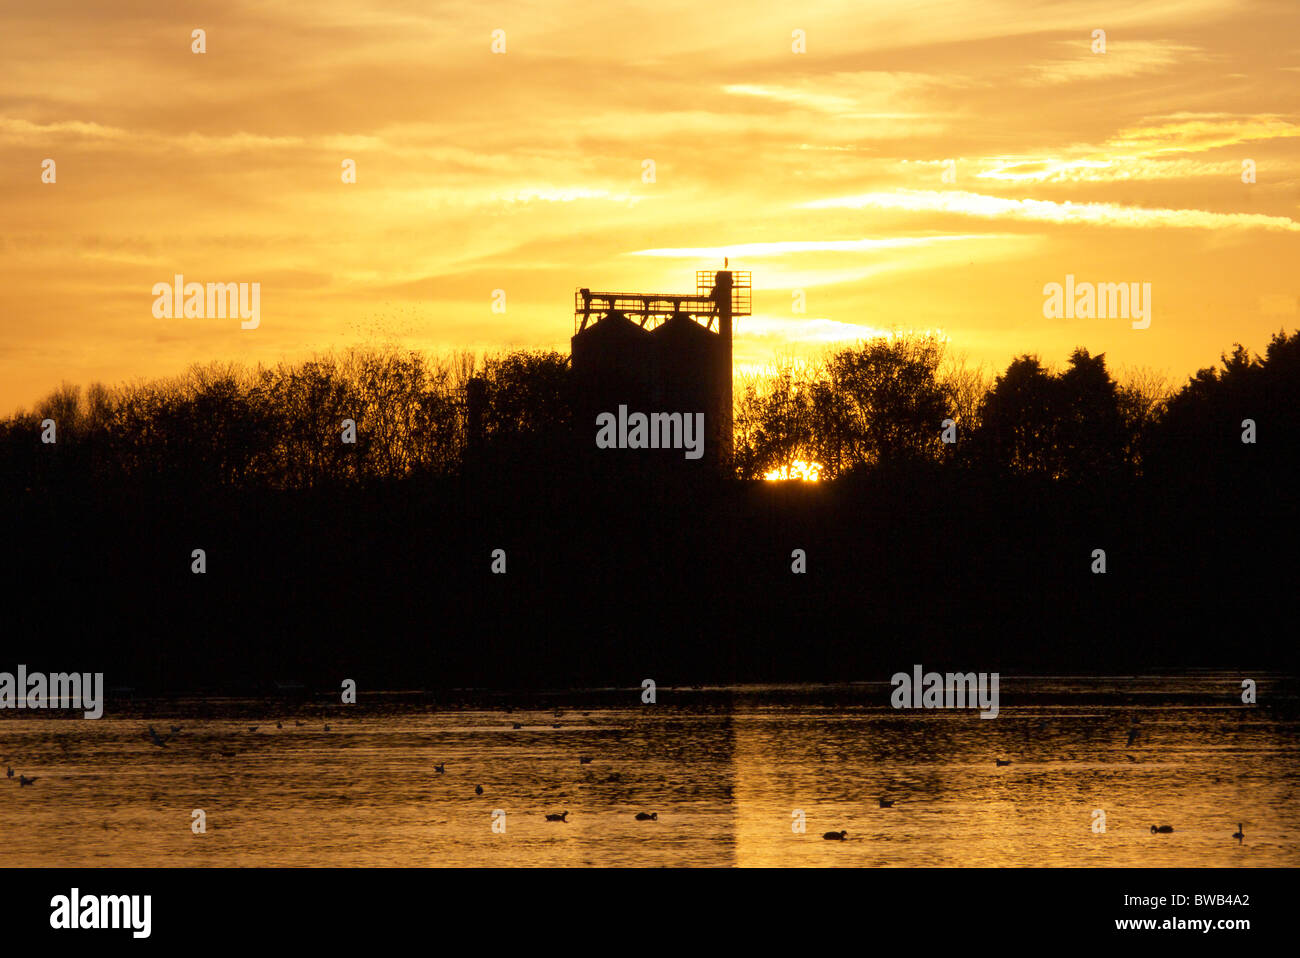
[654, 308]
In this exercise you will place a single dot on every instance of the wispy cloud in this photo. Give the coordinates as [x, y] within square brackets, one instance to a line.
[825, 102]
[810, 330]
[781, 248]
[1040, 170]
[564, 194]
[1150, 150]
[1197, 132]
[1047, 211]
[1122, 59]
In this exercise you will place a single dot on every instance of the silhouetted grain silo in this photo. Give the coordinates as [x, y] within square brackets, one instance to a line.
[657, 353]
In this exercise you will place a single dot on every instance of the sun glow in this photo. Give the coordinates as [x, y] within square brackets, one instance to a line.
[805, 471]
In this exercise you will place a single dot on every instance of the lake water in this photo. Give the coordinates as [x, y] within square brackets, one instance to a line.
[725, 769]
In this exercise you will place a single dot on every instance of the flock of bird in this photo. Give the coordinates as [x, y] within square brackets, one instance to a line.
[441, 769]
[1239, 834]
[843, 836]
[22, 779]
[160, 741]
[836, 836]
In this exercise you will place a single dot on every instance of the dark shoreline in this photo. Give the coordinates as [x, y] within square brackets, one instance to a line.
[610, 582]
[1277, 690]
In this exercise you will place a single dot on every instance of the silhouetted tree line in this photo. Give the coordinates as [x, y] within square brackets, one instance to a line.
[283, 427]
[375, 560]
[882, 404]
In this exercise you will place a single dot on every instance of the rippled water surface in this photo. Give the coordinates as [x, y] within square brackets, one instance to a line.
[726, 770]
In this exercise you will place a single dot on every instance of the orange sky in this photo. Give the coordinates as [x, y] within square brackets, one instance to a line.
[523, 171]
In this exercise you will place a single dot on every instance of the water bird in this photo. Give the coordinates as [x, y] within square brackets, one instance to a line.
[1132, 734]
[440, 768]
[999, 762]
[297, 723]
[887, 803]
[478, 789]
[1240, 833]
[562, 817]
[24, 780]
[278, 725]
[10, 771]
[647, 816]
[176, 730]
[155, 738]
[1163, 829]
[584, 760]
[556, 725]
[836, 836]
[517, 725]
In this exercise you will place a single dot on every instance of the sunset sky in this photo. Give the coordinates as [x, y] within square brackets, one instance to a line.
[523, 171]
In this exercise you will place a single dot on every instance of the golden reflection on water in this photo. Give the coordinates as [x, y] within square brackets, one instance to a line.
[724, 769]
